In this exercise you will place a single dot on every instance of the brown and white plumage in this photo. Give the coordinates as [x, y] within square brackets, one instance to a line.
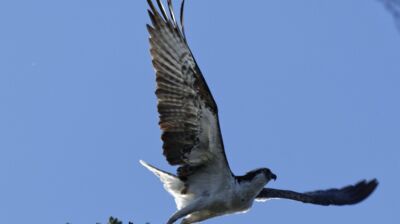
[204, 186]
[188, 112]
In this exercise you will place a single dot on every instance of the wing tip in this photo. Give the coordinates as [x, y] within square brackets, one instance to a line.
[363, 189]
[159, 17]
[372, 185]
[375, 181]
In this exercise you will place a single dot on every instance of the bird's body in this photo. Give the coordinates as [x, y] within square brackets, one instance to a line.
[204, 186]
[211, 194]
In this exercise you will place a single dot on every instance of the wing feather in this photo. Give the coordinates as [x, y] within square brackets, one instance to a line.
[188, 112]
[344, 196]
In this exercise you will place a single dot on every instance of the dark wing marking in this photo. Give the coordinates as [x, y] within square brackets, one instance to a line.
[188, 112]
[344, 196]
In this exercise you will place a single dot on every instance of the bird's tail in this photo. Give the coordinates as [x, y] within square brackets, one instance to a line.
[171, 182]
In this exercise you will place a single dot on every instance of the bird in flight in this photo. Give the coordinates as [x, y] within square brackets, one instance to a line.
[204, 186]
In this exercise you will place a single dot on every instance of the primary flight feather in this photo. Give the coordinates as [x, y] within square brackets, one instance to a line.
[204, 186]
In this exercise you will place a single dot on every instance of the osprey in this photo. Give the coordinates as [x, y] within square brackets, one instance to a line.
[204, 186]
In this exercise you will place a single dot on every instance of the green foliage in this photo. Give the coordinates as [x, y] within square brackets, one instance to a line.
[113, 220]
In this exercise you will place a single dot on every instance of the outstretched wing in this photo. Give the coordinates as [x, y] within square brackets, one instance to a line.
[188, 112]
[344, 196]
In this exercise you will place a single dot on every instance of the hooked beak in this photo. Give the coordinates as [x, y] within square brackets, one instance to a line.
[273, 176]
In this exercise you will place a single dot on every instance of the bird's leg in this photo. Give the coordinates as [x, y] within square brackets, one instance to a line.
[186, 221]
[199, 216]
[180, 214]
[184, 212]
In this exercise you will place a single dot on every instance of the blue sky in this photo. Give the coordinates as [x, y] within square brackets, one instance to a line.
[309, 89]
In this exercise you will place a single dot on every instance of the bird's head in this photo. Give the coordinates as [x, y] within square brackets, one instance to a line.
[263, 173]
[268, 174]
